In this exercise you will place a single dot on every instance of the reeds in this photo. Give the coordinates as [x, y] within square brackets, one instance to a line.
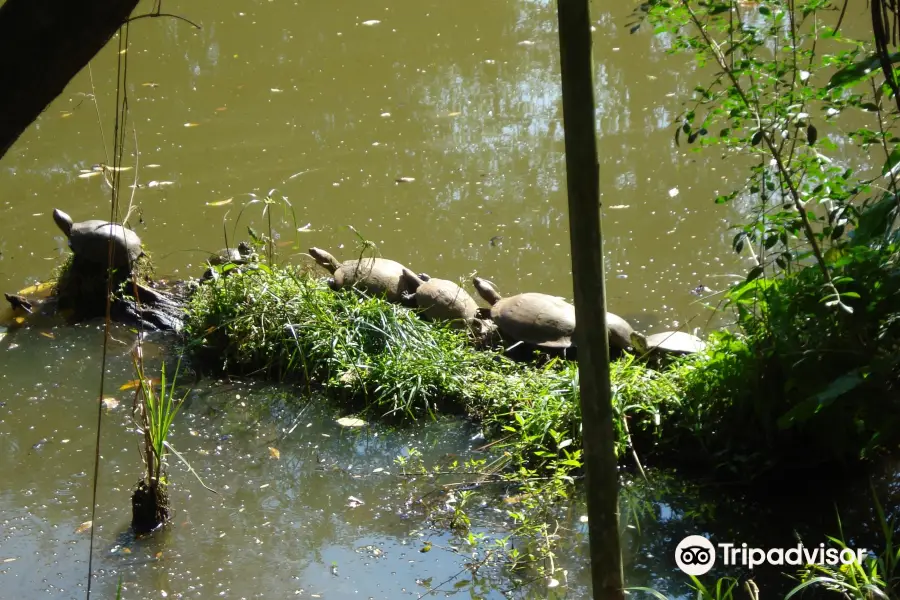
[154, 412]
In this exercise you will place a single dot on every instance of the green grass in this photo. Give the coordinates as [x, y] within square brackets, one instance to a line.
[729, 411]
[287, 325]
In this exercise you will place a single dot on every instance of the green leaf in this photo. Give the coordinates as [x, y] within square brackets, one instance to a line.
[837, 388]
[892, 161]
[858, 71]
[755, 273]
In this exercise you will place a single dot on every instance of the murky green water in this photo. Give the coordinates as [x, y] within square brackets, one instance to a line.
[434, 129]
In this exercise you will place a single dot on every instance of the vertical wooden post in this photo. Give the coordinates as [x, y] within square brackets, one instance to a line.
[583, 184]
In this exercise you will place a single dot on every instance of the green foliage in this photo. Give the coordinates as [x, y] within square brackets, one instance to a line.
[813, 375]
[285, 324]
[875, 577]
[157, 412]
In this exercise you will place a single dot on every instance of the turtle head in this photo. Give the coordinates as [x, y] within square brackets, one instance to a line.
[411, 280]
[332, 284]
[424, 276]
[486, 290]
[324, 259]
[63, 221]
[638, 342]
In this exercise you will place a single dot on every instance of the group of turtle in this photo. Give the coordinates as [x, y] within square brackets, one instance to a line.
[531, 318]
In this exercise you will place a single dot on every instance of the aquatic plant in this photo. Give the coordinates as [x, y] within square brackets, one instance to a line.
[154, 413]
[876, 577]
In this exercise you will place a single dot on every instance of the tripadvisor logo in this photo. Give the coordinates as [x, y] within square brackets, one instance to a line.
[696, 555]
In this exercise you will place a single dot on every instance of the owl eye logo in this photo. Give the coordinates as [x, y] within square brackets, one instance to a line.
[695, 555]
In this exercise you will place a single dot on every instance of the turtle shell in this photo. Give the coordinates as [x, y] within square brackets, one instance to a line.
[619, 331]
[442, 299]
[535, 318]
[89, 240]
[376, 276]
[675, 342]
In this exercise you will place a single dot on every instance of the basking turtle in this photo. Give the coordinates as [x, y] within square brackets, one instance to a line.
[376, 276]
[239, 255]
[89, 240]
[667, 342]
[534, 310]
[619, 331]
[440, 298]
[242, 255]
[538, 319]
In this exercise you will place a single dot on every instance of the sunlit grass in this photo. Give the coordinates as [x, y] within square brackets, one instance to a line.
[288, 325]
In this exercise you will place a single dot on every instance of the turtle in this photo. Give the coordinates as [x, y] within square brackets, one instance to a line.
[239, 255]
[537, 319]
[242, 255]
[667, 342]
[89, 240]
[440, 298]
[376, 276]
[619, 329]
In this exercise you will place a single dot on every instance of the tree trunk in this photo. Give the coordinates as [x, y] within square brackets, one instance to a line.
[592, 339]
[43, 45]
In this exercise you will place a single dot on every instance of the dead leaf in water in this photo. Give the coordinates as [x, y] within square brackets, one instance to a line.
[47, 334]
[191, 124]
[221, 108]
[405, 179]
[110, 403]
[66, 113]
[353, 502]
[351, 422]
[84, 527]
[20, 320]
[150, 84]
[371, 22]
[274, 453]
[135, 383]
[454, 114]
[89, 174]
[220, 202]
[618, 206]
[9, 560]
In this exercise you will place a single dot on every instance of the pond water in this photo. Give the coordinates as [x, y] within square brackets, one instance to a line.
[432, 128]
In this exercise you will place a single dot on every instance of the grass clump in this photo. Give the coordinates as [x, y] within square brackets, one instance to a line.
[286, 324]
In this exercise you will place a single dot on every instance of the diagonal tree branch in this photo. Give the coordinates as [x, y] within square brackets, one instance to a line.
[43, 45]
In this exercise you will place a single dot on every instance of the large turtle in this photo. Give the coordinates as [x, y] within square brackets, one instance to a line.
[667, 342]
[376, 276]
[440, 299]
[552, 316]
[537, 319]
[89, 240]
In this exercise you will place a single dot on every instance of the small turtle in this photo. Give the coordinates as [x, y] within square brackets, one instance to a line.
[667, 342]
[373, 275]
[440, 298]
[537, 319]
[239, 255]
[89, 240]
